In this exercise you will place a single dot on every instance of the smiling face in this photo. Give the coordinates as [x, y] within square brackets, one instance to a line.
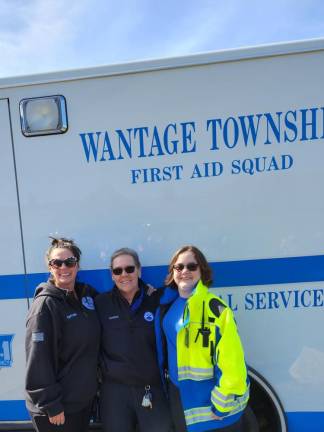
[64, 277]
[127, 283]
[186, 279]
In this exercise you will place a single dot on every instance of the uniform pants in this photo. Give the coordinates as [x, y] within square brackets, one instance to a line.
[178, 415]
[75, 422]
[121, 409]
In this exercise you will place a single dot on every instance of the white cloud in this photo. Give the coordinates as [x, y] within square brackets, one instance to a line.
[43, 35]
[36, 33]
[107, 30]
[221, 24]
[201, 27]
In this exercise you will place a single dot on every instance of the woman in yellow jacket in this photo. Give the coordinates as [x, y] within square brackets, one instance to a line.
[199, 347]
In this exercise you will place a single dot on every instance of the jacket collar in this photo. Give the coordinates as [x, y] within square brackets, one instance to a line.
[171, 294]
[138, 297]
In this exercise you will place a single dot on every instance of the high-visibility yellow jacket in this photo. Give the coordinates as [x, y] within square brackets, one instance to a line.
[212, 374]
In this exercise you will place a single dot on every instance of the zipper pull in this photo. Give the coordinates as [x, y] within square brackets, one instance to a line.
[147, 398]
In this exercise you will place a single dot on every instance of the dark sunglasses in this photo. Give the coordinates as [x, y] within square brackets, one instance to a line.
[190, 266]
[69, 262]
[117, 271]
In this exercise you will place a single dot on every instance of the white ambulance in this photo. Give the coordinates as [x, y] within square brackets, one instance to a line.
[221, 150]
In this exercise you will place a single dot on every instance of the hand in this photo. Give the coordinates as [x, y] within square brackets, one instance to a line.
[57, 420]
[215, 417]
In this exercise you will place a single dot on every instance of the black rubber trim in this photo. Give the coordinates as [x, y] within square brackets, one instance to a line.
[276, 403]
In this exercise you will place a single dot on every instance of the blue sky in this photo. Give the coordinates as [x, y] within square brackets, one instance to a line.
[48, 35]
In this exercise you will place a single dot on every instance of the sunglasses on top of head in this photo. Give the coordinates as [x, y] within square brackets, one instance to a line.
[190, 266]
[69, 262]
[117, 271]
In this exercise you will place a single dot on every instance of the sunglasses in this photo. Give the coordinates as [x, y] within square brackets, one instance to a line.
[117, 271]
[190, 266]
[69, 262]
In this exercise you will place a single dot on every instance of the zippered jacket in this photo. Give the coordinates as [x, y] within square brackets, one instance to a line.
[212, 375]
[62, 345]
[128, 347]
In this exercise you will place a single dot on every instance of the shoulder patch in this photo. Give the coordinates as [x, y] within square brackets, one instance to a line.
[216, 306]
[38, 337]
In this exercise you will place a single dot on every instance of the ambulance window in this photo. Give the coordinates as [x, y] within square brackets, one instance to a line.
[43, 116]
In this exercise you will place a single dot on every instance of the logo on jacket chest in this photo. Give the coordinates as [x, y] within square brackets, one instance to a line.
[88, 303]
[71, 315]
[148, 316]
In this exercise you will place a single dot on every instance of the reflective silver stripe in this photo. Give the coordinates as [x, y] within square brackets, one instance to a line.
[236, 410]
[226, 398]
[196, 415]
[227, 405]
[187, 372]
[221, 396]
[231, 400]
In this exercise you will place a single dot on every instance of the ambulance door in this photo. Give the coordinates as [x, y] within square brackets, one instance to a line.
[13, 300]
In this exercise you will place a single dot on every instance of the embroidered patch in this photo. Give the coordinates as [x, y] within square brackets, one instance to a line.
[148, 316]
[88, 303]
[72, 315]
[38, 337]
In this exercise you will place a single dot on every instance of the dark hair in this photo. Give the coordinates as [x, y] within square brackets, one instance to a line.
[63, 243]
[205, 269]
[126, 251]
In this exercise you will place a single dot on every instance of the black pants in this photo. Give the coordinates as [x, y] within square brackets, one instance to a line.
[121, 409]
[178, 415]
[75, 422]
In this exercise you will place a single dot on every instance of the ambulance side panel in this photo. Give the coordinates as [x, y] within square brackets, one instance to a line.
[227, 156]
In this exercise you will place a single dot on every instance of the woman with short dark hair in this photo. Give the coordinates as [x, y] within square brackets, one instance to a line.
[132, 397]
